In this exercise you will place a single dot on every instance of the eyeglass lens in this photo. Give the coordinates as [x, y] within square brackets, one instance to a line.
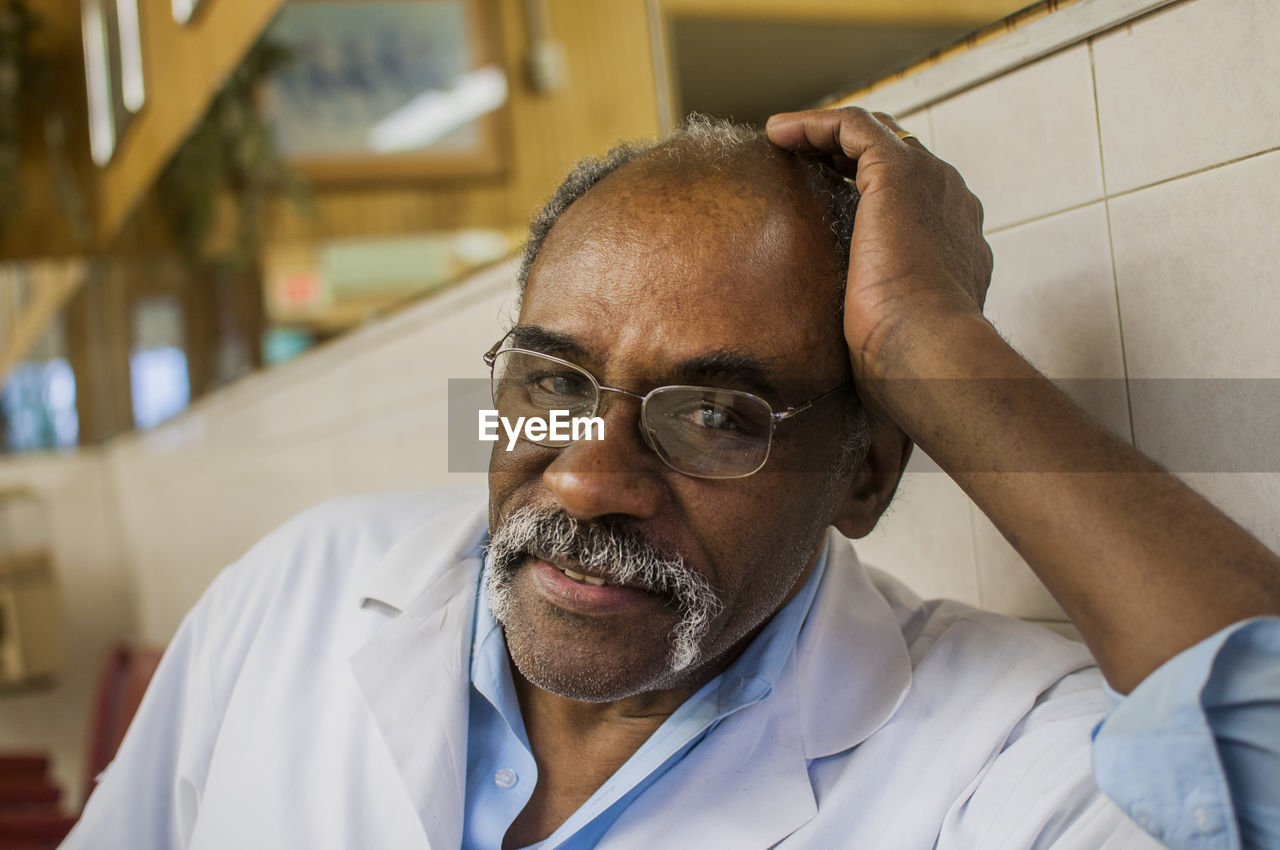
[699, 431]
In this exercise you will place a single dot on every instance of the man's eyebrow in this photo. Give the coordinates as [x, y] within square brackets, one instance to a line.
[727, 367]
[537, 338]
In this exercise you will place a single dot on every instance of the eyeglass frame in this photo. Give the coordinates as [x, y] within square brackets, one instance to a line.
[491, 358]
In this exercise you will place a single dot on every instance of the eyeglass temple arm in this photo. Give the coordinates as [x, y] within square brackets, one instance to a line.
[492, 354]
[801, 408]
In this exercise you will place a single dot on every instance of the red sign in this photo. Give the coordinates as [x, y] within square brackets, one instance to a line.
[297, 291]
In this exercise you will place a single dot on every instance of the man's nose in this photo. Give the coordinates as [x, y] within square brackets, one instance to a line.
[617, 474]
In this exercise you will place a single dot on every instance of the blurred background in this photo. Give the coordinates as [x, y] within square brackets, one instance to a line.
[244, 245]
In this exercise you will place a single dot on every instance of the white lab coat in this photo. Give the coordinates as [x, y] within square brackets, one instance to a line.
[317, 698]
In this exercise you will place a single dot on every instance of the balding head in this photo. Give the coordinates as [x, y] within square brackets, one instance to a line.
[740, 157]
[653, 194]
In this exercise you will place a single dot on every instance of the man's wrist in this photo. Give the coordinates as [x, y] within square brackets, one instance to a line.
[936, 345]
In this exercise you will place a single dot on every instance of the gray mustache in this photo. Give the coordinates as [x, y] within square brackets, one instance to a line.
[618, 554]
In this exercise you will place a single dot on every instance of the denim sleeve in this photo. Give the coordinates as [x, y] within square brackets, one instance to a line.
[1193, 753]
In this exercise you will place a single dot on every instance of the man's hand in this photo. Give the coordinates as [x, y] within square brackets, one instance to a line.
[918, 254]
[1142, 565]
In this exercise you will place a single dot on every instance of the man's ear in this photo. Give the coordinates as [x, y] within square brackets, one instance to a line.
[875, 481]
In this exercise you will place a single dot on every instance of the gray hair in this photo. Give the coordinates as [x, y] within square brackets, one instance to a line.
[719, 145]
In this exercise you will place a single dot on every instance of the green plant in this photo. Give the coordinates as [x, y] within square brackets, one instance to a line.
[230, 153]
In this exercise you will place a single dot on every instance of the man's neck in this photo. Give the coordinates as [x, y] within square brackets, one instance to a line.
[577, 746]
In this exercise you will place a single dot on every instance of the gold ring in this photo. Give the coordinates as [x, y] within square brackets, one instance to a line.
[906, 134]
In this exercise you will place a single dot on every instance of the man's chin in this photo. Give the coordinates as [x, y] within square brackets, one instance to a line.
[593, 684]
[586, 660]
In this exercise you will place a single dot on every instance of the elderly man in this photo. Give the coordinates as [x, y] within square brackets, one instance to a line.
[653, 638]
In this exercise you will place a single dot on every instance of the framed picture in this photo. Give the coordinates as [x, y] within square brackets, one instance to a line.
[387, 89]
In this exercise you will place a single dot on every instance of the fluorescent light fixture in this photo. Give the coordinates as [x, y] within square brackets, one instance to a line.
[133, 89]
[434, 114]
[183, 10]
[102, 130]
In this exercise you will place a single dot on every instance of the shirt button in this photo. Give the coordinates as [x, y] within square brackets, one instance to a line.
[505, 778]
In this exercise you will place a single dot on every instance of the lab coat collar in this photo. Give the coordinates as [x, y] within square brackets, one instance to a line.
[850, 672]
[852, 666]
[414, 672]
[748, 785]
[419, 559]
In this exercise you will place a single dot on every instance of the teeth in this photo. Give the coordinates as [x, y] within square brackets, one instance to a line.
[595, 581]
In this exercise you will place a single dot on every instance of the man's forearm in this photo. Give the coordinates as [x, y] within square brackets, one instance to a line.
[1143, 565]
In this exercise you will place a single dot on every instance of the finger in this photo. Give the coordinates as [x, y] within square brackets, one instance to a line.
[849, 131]
[904, 135]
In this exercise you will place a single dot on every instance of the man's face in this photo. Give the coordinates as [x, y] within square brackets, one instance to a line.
[649, 280]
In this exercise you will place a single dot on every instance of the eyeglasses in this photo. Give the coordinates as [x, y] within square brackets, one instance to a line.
[699, 431]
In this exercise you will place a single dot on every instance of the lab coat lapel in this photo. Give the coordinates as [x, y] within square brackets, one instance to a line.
[414, 673]
[747, 784]
[853, 668]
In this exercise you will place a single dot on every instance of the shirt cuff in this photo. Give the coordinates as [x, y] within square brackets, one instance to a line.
[1156, 755]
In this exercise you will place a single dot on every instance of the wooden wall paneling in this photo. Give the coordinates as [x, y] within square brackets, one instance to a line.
[200, 331]
[98, 339]
[933, 12]
[249, 311]
[609, 95]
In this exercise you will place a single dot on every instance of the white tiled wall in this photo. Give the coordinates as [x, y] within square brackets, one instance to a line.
[1198, 271]
[1187, 88]
[1171, 272]
[1027, 142]
[926, 537]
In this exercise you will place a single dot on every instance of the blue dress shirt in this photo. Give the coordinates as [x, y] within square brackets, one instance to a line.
[1193, 753]
[501, 772]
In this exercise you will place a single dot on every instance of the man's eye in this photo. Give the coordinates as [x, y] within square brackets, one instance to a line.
[715, 417]
[560, 383]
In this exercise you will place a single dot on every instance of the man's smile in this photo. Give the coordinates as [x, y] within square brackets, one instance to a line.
[583, 593]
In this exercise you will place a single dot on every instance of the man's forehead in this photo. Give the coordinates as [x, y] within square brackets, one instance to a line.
[692, 230]
[663, 266]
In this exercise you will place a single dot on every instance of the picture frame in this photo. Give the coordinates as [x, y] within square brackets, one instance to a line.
[387, 89]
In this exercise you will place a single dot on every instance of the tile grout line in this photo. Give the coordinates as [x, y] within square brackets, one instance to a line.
[1195, 171]
[1004, 228]
[1124, 192]
[1111, 250]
